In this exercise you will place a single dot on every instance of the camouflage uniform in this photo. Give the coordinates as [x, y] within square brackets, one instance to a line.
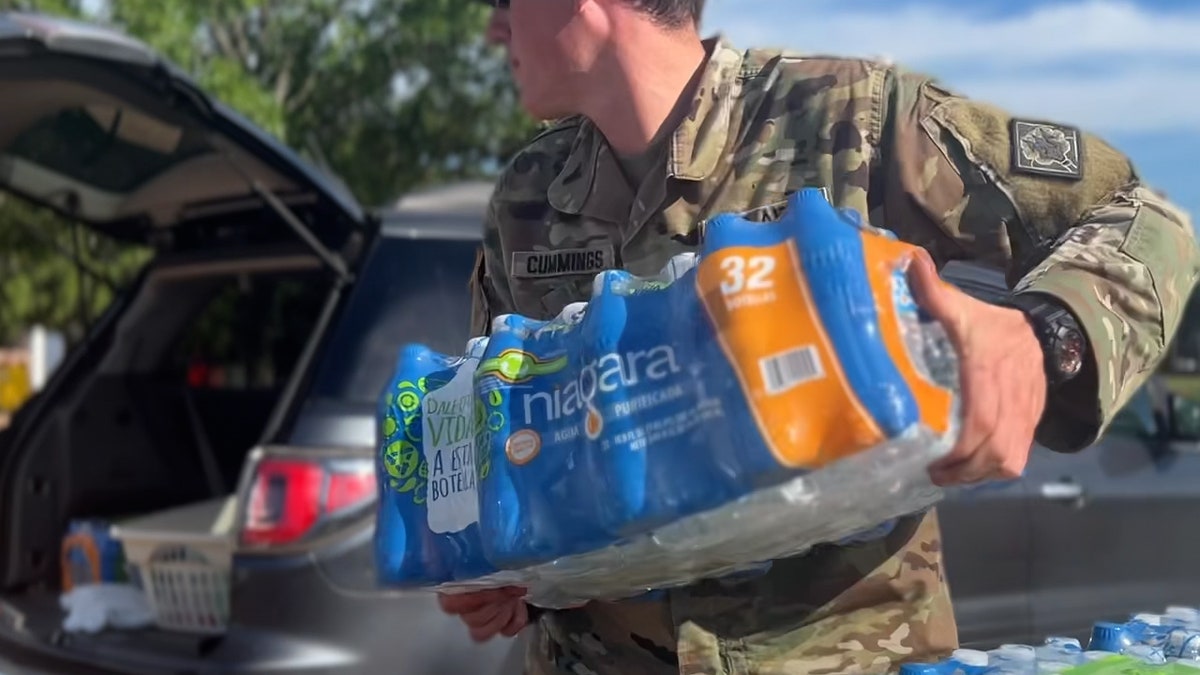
[1060, 210]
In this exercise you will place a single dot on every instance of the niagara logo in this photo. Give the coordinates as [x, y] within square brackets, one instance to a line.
[605, 374]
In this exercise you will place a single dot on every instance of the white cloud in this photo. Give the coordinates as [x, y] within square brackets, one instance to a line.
[1136, 100]
[1143, 66]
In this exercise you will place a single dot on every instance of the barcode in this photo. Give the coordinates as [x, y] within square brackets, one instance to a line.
[784, 371]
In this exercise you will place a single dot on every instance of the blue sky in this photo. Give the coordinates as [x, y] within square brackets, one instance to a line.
[1124, 69]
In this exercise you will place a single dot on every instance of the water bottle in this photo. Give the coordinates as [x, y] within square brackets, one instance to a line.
[1150, 641]
[1059, 650]
[427, 515]
[1188, 615]
[1012, 659]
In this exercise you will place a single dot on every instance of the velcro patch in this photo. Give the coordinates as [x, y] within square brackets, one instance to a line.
[1046, 149]
[769, 213]
[562, 262]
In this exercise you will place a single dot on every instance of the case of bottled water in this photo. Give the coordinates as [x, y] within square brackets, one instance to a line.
[778, 389]
[1147, 644]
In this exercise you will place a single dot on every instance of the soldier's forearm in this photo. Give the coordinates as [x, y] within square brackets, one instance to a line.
[1065, 214]
[1126, 273]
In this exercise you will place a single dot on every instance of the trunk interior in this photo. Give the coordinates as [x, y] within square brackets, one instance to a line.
[159, 411]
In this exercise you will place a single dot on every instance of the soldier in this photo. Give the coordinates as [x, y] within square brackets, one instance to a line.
[658, 130]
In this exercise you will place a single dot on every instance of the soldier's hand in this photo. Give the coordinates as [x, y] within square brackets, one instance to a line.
[489, 613]
[1002, 377]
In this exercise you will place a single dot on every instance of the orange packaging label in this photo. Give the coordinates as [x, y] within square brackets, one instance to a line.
[763, 312]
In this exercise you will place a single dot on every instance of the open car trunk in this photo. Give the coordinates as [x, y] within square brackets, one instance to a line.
[194, 366]
[39, 618]
[162, 413]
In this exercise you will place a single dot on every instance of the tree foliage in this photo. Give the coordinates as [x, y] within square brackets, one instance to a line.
[40, 280]
[391, 93]
[387, 94]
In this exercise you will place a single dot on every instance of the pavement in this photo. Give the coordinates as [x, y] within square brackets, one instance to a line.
[8, 668]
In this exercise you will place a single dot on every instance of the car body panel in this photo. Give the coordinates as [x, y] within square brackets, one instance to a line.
[317, 625]
[1109, 532]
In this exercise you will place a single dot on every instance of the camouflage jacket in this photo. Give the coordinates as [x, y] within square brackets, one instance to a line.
[1061, 211]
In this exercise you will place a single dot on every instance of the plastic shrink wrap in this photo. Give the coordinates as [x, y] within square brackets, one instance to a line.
[776, 391]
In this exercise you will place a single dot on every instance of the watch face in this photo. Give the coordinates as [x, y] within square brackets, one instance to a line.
[1069, 352]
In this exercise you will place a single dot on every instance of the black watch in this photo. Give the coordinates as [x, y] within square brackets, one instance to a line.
[1064, 345]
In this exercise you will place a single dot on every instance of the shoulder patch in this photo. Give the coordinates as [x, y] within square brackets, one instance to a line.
[1046, 149]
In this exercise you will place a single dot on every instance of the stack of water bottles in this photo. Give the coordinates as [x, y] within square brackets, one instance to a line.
[1149, 644]
[777, 389]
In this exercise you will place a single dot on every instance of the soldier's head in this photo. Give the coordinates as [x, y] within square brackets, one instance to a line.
[556, 48]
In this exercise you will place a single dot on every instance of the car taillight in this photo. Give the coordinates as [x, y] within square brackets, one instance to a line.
[292, 494]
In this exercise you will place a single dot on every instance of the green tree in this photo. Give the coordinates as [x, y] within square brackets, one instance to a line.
[389, 94]
[61, 7]
[392, 94]
[40, 280]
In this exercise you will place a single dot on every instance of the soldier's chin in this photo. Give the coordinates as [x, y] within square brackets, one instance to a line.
[541, 108]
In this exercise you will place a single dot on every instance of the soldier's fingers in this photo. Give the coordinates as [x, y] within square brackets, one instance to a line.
[1013, 455]
[981, 410]
[927, 288]
[519, 620]
[973, 457]
[1004, 449]
[453, 603]
[461, 603]
[1014, 438]
[484, 615]
[982, 463]
[487, 631]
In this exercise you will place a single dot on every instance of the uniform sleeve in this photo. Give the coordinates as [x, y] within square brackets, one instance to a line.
[490, 292]
[1063, 213]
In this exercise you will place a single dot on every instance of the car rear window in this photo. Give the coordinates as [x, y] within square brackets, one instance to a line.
[410, 291]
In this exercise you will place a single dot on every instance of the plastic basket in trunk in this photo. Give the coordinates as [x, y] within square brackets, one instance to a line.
[181, 558]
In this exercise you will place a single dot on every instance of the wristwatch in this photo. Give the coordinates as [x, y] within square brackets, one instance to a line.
[1064, 345]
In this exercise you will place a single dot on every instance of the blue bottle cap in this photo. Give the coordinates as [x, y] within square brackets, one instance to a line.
[1108, 637]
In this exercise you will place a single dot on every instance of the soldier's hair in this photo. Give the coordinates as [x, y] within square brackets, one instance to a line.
[671, 13]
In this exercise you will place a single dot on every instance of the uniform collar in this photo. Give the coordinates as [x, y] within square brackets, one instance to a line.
[697, 144]
[695, 148]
